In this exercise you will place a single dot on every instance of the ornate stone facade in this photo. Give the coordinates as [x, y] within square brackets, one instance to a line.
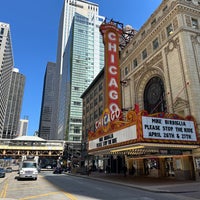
[171, 41]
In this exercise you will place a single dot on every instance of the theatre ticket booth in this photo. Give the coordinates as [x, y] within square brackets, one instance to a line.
[158, 145]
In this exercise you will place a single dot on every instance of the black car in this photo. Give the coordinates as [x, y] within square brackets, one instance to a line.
[2, 172]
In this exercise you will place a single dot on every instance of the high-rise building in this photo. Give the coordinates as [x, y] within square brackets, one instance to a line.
[14, 105]
[47, 127]
[6, 66]
[23, 127]
[80, 57]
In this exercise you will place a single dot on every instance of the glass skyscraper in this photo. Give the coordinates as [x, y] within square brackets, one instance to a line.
[80, 57]
[47, 127]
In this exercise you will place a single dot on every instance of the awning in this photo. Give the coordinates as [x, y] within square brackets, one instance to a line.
[147, 149]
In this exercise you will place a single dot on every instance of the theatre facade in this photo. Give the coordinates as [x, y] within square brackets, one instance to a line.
[157, 145]
[149, 114]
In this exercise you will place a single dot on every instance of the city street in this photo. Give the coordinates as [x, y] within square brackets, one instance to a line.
[64, 186]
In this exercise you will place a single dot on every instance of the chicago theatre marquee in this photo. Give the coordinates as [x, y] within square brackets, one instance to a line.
[158, 135]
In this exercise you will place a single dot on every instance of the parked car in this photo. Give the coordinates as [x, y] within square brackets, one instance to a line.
[9, 169]
[48, 167]
[2, 172]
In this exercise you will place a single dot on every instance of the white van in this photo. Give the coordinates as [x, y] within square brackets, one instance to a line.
[28, 169]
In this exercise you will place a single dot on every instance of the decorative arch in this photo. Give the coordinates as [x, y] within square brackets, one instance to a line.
[154, 96]
[144, 80]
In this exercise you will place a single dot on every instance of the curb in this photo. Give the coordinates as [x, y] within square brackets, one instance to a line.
[123, 184]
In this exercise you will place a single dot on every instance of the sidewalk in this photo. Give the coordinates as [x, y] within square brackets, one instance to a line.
[161, 185]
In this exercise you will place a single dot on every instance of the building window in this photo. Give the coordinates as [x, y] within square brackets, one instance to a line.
[135, 63]
[126, 71]
[77, 130]
[95, 115]
[100, 86]
[76, 138]
[2, 31]
[100, 111]
[155, 44]
[95, 92]
[95, 102]
[76, 88]
[76, 103]
[169, 30]
[91, 96]
[144, 54]
[153, 22]
[154, 96]
[143, 34]
[194, 23]
[91, 106]
[100, 97]
[165, 8]
[91, 118]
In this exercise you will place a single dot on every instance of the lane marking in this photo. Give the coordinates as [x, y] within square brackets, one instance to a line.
[40, 195]
[4, 190]
[70, 196]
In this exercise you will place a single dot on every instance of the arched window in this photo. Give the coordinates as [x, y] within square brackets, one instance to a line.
[154, 96]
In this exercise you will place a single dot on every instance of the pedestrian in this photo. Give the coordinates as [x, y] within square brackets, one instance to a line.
[125, 170]
[133, 170]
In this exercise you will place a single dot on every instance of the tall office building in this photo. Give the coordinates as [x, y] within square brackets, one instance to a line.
[6, 66]
[47, 127]
[22, 127]
[14, 105]
[80, 57]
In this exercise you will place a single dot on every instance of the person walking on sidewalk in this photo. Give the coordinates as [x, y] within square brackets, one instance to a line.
[125, 170]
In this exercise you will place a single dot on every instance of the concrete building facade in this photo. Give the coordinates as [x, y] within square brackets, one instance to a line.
[6, 66]
[23, 127]
[14, 106]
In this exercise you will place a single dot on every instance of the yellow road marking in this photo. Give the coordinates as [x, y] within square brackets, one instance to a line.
[26, 187]
[41, 195]
[4, 190]
[70, 196]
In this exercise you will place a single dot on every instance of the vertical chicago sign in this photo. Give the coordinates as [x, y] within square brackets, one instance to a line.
[111, 35]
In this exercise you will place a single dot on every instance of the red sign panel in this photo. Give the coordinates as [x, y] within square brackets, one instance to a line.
[111, 36]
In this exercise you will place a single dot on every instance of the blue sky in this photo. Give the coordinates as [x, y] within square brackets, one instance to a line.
[34, 30]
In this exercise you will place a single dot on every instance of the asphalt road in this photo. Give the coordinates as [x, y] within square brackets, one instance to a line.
[62, 186]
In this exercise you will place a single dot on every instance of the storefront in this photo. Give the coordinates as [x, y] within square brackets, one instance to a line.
[159, 145]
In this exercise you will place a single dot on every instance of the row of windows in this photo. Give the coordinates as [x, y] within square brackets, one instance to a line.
[76, 103]
[92, 8]
[76, 130]
[93, 104]
[96, 91]
[155, 44]
[94, 116]
[76, 120]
